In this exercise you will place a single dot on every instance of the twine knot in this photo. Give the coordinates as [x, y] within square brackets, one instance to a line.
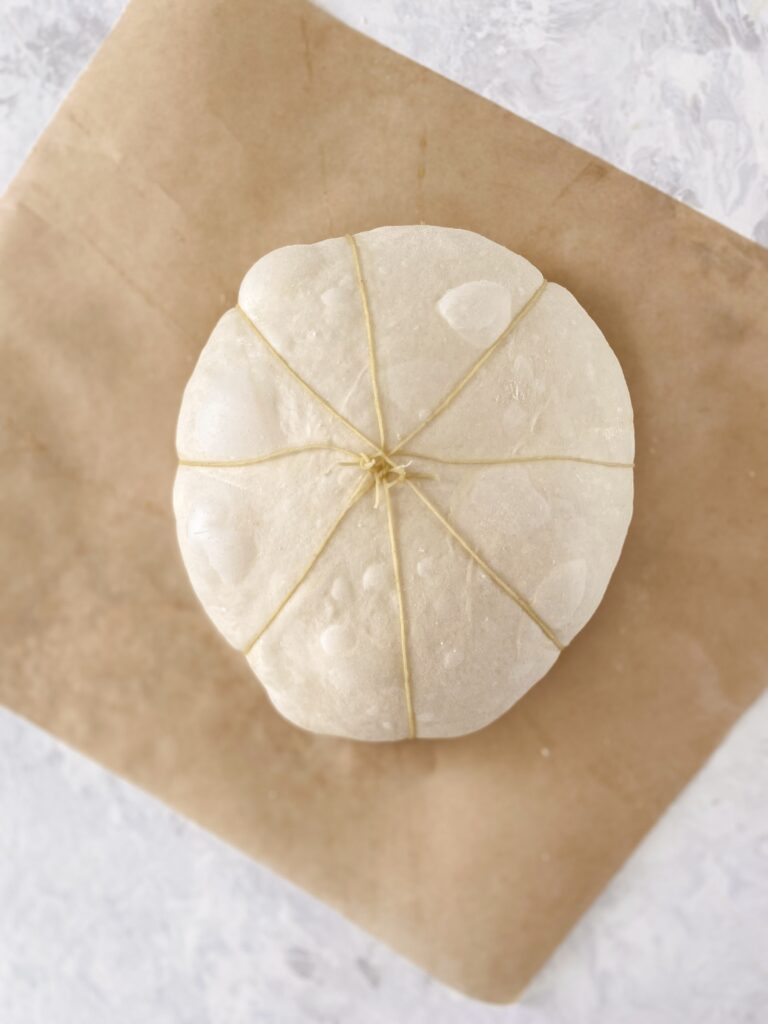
[383, 472]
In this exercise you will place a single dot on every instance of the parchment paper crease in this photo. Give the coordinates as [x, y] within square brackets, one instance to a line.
[204, 135]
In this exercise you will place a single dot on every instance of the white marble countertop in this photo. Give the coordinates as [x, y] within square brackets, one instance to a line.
[114, 909]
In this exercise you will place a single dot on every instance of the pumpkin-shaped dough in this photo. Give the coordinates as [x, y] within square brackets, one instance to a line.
[405, 479]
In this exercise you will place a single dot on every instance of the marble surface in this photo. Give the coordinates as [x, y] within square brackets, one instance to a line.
[112, 908]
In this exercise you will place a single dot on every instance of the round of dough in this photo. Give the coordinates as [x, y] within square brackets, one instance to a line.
[405, 479]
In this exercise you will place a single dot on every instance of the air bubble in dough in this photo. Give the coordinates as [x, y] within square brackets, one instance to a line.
[405, 479]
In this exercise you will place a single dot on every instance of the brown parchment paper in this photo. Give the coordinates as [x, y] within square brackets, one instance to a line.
[204, 135]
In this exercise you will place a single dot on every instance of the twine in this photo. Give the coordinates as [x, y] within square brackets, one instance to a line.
[517, 459]
[475, 368]
[381, 472]
[369, 334]
[401, 612]
[362, 486]
[270, 457]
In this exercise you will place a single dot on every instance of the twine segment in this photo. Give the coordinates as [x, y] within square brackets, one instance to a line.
[353, 499]
[300, 380]
[459, 386]
[520, 460]
[410, 715]
[380, 472]
[517, 597]
[369, 334]
[281, 453]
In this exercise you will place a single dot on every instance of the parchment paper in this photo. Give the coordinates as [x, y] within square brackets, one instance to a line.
[204, 135]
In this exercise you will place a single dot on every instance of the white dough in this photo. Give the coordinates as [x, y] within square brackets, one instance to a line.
[264, 546]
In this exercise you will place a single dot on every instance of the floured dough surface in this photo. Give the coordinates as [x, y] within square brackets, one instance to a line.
[405, 479]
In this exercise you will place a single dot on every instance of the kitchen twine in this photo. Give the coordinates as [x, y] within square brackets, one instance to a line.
[381, 473]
